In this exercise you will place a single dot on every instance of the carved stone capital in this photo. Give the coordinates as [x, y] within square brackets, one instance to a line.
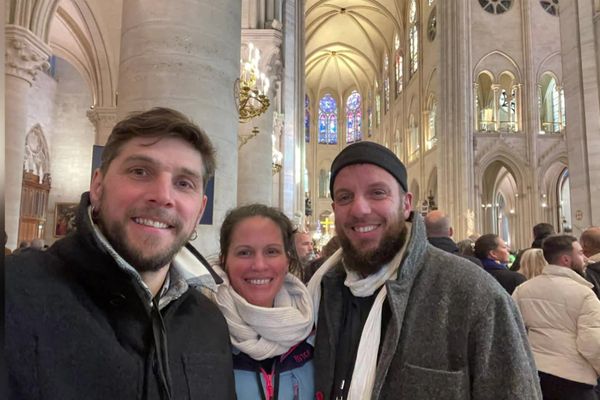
[26, 54]
[104, 119]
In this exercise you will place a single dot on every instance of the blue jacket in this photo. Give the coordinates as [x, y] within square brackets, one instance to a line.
[295, 369]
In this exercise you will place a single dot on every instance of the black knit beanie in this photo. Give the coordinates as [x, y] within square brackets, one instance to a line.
[369, 153]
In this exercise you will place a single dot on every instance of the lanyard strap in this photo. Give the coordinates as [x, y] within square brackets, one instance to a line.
[272, 387]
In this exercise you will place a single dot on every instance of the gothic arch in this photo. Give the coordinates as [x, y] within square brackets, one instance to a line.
[552, 64]
[549, 190]
[432, 184]
[37, 154]
[504, 156]
[84, 46]
[431, 81]
[499, 194]
[36, 16]
[497, 62]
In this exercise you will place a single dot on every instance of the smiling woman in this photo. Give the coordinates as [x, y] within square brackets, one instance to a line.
[268, 309]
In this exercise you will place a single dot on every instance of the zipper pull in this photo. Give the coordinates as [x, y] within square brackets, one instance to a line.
[340, 395]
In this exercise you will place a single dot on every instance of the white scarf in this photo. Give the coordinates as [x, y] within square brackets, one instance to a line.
[363, 376]
[263, 332]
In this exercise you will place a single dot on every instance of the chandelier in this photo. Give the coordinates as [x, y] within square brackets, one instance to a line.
[252, 88]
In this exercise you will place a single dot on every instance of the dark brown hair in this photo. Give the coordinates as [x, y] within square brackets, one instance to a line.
[556, 245]
[485, 244]
[237, 215]
[160, 123]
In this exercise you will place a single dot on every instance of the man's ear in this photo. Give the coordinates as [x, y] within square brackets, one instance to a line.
[407, 204]
[96, 187]
[333, 205]
[204, 201]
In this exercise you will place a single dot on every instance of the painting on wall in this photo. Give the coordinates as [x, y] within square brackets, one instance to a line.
[64, 217]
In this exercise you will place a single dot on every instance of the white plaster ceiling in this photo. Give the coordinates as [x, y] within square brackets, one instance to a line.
[346, 40]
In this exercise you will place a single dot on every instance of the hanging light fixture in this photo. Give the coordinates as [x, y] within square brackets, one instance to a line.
[252, 88]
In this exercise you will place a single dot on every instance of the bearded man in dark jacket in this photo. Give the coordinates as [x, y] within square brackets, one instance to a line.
[400, 319]
[114, 310]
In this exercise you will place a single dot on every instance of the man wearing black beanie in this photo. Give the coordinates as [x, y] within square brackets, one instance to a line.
[398, 318]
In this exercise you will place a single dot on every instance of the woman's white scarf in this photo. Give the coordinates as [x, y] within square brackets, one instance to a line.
[263, 332]
[363, 376]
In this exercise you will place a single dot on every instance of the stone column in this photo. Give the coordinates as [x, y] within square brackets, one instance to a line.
[185, 55]
[255, 179]
[103, 119]
[580, 65]
[293, 145]
[456, 187]
[26, 55]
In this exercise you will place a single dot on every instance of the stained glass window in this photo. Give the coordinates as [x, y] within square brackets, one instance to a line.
[306, 119]
[386, 84]
[552, 105]
[413, 38]
[353, 117]
[370, 114]
[398, 65]
[327, 120]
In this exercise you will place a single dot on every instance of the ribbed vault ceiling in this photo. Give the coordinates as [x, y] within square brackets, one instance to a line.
[346, 40]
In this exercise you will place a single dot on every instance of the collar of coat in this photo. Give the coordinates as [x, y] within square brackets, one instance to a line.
[188, 268]
[557, 270]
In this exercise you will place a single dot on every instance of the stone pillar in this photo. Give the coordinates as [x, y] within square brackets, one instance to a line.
[185, 55]
[103, 119]
[457, 190]
[293, 144]
[255, 178]
[581, 70]
[26, 55]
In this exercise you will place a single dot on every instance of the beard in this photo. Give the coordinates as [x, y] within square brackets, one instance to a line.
[369, 262]
[150, 254]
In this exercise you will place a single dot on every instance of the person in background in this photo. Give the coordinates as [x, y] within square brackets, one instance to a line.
[330, 247]
[268, 309]
[114, 310]
[532, 263]
[562, 316]
[466, 247]
[24, 244]
[590, 242]
[540, 232]
[304, 247]
[493, 253]
[439, 234]
[37, 244]
[398, 319]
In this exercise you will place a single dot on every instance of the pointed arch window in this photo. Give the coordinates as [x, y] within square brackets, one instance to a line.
[413, 137]
[552, 105]
[327, 120]
[398, 65]
[507, 103]
[432, 125]
[377, 105]
[306, 119]
[413, 38]
[353, 117]
[370, 114]
[485, 103]
[386, 83]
